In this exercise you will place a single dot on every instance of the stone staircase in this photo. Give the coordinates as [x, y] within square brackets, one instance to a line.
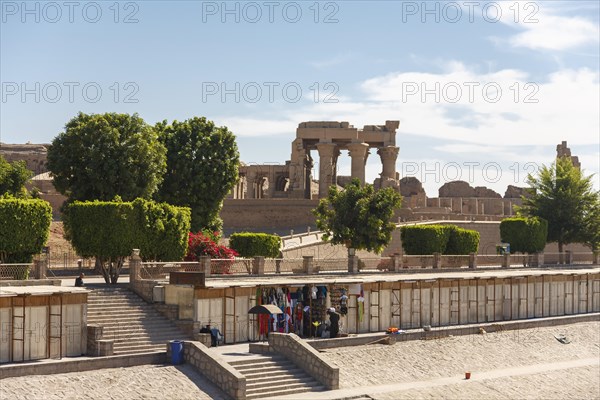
[274, 375]
[134, 325]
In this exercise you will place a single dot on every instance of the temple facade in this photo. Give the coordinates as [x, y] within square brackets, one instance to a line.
[327, 139]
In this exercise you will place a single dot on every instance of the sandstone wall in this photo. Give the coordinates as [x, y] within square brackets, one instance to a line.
[268, 215]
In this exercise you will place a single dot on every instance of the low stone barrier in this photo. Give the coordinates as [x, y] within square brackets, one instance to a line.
[96, 346]
[49, 367]
[306, 357]
[227, 378]
[31, 282]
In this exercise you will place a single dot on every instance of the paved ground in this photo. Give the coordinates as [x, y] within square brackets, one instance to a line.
[527, 364]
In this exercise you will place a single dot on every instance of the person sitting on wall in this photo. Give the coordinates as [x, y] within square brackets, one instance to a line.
[79, 280]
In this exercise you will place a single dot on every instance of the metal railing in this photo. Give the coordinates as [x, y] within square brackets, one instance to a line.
[15, 271]
[249, 266]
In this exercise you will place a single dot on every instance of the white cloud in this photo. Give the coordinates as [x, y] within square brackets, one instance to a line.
[566, 109]
[545, 27]
[257, 127]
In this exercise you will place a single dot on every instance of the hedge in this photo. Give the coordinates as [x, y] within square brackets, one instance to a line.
[24, 228]
[113, 229]
[162, 230]
[462, 241]
[424, 239]
[110, 230]
[101, 229]
[525, 235]
[249, 244]
[443, 239]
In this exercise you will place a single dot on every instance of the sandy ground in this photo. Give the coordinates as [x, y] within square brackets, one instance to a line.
[141, 382]
[527, 364]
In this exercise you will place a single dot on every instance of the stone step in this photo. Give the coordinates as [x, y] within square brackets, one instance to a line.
[131, 324]
[134, 325]
[260, 394]
[153, 337]
[257, 360]
[116, 301]
[117, 307]
[140, 349]
[263, 365]
[285, 382]
[273, 372]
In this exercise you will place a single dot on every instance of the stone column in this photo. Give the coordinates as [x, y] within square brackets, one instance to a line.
[251, 185]
[258, 265]
[359, 153]
[389, 155]
[204, 262]
[353, 264]
[437, 260]
[396, 263]
[326, 154]
[472, 260]
[135, 264]
[308, 264]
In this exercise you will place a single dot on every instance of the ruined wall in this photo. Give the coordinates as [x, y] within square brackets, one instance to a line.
[268, 215]
[34, 155]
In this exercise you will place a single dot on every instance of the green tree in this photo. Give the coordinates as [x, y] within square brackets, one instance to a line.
[358, 216]
[525, 235]
[24, 228]
[99, 156]
[590, 235]
[564, 197]
[13, 177]
[109, 231]
[202, 167]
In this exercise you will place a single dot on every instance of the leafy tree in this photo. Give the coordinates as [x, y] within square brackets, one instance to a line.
[13, 177]
[24, 228]
[109, 231]
[565, 198]
[104, 230]
[99, 156]
[358, 217]
[590, 235]
[202, 167]
[161, 230]
[525, 235]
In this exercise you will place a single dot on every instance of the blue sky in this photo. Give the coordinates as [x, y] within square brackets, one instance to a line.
[484, 91]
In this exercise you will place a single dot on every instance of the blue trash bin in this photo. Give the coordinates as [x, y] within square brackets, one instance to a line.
[176, 352]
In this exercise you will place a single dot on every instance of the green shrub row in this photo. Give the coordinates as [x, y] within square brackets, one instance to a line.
[525, 235]
[24, 228]
[462, 241]
[443, 239]
[108, 230]
[249, 244]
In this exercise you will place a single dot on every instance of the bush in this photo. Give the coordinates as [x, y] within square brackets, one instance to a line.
[101, 229]
[110, 230]
[24, 229]
[424, 239]
[443, 239]
[202, 244]
[162, 230]
[525, 235]
[249, 244]
[462, 241]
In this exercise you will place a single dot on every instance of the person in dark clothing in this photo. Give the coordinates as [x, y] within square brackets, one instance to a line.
[334, 318]
[79, 280]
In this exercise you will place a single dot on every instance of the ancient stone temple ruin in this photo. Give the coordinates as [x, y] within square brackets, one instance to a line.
[328, 138]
